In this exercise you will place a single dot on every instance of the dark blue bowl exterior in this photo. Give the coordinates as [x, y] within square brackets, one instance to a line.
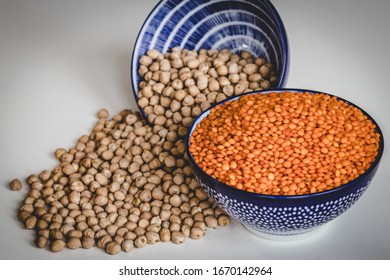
[284, 215]
[252, 25]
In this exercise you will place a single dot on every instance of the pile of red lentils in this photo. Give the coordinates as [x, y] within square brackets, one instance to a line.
[285, 143]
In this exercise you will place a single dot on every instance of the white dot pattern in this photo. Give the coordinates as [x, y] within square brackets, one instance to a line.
[284, 220]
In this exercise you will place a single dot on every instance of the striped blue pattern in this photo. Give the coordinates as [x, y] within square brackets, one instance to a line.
[237, 25]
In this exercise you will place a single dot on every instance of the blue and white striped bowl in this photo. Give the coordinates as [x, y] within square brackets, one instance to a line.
[237, 25]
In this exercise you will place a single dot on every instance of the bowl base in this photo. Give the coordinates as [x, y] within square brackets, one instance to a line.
[279, 237]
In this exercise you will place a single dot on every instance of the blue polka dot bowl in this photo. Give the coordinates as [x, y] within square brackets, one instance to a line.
[283, 217]
[237, 25]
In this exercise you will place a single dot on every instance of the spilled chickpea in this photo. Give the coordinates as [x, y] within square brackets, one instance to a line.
[285, 143]
[123, 186]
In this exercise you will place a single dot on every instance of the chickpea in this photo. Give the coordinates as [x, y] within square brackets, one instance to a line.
[165, 65]
[103, 241]
[145, 60]
[223, 81]
[139, 231]
[58, 154]
[87, 242]
[211, 221]
[112, 248]
[233, 68]
[200, 194]
[140, 241]
[127, 245]
[196, 233]
[175, 200]
[188, 100]
[57, 246]
[264, 84]
[228, 90]
[202, 82]
[220, 97]
[186, 230]
[152, 237]
[101, 179]
[250, 68]
[101, 200]
[165, 235]
[30, 222]
[193, 63]
[15, 185]
[264, 71]
[177, 63]
[130, 235]
[222, 70]
[41, 242]
[73, 243]
[178, 237]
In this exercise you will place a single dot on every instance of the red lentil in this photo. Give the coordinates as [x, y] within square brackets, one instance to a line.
[285, 143]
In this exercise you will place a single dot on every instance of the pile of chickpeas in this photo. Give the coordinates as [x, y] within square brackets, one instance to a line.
[124, 185]
[128, 182]
[285, 143]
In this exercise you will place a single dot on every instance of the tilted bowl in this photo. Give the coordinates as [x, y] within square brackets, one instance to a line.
[237, 25]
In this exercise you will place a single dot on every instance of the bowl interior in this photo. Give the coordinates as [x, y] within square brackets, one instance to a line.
[237, 25]
[238, 192]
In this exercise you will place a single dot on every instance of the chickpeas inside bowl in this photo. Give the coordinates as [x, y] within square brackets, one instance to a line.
[189, 47]
[284, 162]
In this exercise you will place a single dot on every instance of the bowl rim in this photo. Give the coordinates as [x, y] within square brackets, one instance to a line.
[134, 58]
[228, 188]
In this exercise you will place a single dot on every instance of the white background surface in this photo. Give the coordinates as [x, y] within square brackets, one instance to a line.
[61, 61]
